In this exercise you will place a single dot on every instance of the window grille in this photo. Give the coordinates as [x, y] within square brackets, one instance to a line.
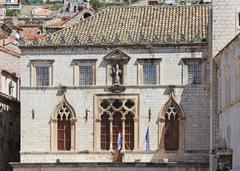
[85, 75]
[194, 74]
[42, 76]
[150, 73]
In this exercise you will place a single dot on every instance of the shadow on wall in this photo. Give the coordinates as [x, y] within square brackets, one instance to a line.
[191, 110]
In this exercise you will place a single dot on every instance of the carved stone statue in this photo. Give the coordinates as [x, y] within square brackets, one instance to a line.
[116, 74]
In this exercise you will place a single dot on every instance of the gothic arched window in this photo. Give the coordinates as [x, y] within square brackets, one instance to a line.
[105, 132]
[63, 127]
[117, 115]
[171, 134]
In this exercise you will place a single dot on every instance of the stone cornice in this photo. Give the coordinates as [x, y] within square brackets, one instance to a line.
[203, 86]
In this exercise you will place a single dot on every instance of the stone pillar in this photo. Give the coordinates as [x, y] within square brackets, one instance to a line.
[123, 133]
[111, 131]
[136, 142]
[73, 136]
[53, 135]
[214, 120]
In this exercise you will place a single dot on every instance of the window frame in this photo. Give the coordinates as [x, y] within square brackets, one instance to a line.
[68, 110]
[98, 98]
[33, 71]
[7, 79]
[77, 63]
[193, 61]
[148, 61]
[179, 115]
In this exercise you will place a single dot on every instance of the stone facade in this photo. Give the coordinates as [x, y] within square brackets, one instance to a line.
[9, 108]
[224, 81]
[228, 61]
[97, 87]
[225, 23]
[36, 134]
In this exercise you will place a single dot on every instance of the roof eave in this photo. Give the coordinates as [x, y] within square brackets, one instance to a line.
[115, 45]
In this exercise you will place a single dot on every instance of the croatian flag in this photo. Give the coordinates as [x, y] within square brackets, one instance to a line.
[119, 141]
[147, 139]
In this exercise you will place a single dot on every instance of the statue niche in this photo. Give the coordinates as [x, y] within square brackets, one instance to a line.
[117, 74]
[116, 65]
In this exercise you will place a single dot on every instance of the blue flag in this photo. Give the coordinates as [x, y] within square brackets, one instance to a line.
[147, 139]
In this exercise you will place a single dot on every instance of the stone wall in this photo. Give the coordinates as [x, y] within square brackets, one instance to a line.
[9, 63]
[110, 167]
[229, 97]
[225, 23]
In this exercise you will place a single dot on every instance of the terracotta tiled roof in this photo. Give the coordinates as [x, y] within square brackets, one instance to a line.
[34, 36]
[42, 12]
[136, 25]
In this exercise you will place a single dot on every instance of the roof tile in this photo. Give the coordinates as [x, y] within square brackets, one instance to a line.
[137, 25]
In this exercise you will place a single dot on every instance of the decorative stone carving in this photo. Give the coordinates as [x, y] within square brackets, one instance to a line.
[90, 40]
[224, 160]
[76, 40]
[130, 39]
[116, 74]
[116, 69]
[156, 39]
[62, 40]
[117, 39]
[22, 42]
[48, 40]
[35, 42]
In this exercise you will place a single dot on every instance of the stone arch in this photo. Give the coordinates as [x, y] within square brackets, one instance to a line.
[65, 105]
[120, 115]
[171, 111]
[171, 101]
[63, 111]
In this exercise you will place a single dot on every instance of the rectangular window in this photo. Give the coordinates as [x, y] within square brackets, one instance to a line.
[41, 72]
[85, 75]
[194, 74]
[84, 72]
[42, 76]
[150, 73]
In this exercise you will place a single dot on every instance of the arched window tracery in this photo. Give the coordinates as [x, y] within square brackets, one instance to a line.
[117, 116]
[172, 121]
[63, 127]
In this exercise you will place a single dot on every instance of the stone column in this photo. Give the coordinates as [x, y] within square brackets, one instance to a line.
[181, 134]
[53, 135]
[123, 133]
[136, 142]
[111, 132]
[73, 127]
